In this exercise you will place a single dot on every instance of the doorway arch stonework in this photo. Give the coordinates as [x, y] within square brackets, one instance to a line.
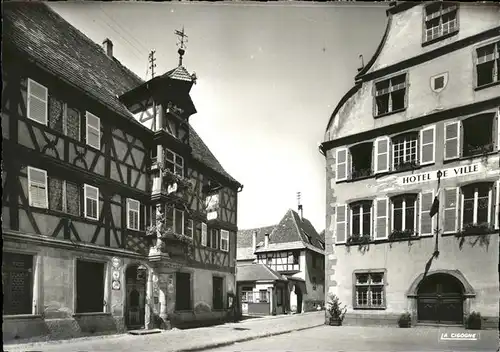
[467, 291]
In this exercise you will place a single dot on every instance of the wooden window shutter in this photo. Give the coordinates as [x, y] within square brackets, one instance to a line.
[204, 234]
[37, 102]
[450, 209]
[497, 117]
[341, 223]
[427, 145]
[452, 140]
[497, 205]
[382, 146]
[341, 164]
[37, 188]
[426, 227]
[381, 218]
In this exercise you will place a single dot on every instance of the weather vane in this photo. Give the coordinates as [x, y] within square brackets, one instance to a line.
[181, 43]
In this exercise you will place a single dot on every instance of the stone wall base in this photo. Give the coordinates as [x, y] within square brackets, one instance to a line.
[184, 320]
[35, 328]
[391, 320]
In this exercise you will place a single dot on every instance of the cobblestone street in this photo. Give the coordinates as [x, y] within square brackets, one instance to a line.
[373, 339]
[304, 332]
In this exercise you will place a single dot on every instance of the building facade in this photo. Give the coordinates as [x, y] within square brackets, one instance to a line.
[115, 213]
[427, 102]
[294, 250]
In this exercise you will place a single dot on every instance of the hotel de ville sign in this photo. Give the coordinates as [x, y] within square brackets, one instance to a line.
[446, 173]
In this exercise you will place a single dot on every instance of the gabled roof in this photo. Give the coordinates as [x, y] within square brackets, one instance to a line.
[244, 250]
[291, 232]
[41, 35]
[257, 272]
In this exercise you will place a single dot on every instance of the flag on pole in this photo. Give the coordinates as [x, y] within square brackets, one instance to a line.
[435, 204]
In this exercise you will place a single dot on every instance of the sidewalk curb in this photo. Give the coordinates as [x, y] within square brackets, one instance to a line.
[244, 339]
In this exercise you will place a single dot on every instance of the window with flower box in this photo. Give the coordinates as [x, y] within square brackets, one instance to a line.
[361, 160]
[463, 139]
[404, 213]
[369, 290]
[404, 151]
[361, 218]
[477, 205]
[440, 20]
[488, 64]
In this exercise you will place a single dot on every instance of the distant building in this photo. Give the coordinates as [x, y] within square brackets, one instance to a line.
[294, 253]
[105, 220]
[423, 113]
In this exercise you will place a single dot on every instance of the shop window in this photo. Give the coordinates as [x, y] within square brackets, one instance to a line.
[89, 287]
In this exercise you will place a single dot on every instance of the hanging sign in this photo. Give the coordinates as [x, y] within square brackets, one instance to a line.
[446, 173]
[212, 215]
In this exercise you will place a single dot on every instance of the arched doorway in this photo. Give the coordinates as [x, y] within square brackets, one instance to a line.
[136, 278]
[440, 300]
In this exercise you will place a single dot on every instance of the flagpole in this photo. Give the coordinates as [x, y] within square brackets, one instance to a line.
[436, 248]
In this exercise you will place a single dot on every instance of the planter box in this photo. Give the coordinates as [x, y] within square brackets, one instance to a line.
[334, 322]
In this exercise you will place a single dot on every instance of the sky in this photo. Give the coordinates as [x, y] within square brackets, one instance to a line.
[269, 77]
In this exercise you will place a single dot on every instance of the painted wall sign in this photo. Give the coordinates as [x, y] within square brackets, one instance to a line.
[447, 173]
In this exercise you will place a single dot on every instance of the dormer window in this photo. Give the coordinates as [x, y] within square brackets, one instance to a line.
[440, 20]
[390, 95]
[361, 158]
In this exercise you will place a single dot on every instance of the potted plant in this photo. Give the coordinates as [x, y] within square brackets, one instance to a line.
[404, 320]
[473, 321]
[336, 314]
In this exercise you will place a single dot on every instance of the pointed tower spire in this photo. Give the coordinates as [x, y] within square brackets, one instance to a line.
[183, 39]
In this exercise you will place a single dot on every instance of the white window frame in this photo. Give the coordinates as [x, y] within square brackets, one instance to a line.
[388, 155]
[440, 25]
[30, 96]
[369, 284]
[138, 212]
[361, 218]
[85, 187]
[224, 236]
[476, 203]
[46, 185]
[421, 194]
[175, 161]
[388, 91]
[337, 164]
[406, 145]
[458, 138]
[174, 219]
[403, 223]
[433, 128]
[496, 44]
[98, 129]
[204, 234]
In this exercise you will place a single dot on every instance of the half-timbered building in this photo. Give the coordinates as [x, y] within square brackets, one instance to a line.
[115, 213]
[419, 127]
[293, 252]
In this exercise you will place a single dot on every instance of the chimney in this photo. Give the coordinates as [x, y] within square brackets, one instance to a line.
[254, 241]
[361, 63]
[266, 240]
[107, 45]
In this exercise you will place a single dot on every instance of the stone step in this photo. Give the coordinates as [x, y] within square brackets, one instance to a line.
[144, 331]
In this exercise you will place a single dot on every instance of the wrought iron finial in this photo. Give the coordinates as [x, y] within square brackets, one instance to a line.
[183, 39]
